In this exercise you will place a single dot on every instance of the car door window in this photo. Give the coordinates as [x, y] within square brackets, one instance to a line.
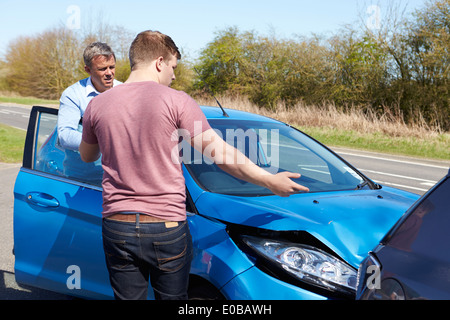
[46, 157]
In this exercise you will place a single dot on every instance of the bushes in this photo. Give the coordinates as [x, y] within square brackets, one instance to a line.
[404, 67]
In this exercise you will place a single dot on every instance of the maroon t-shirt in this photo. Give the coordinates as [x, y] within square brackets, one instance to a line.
[136, 126]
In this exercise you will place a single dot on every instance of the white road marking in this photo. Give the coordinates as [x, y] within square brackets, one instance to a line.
[400, 186]
[399, 176]
[14, 112]
[393, 160]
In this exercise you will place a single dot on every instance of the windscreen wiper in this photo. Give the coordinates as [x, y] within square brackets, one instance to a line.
[362, 185]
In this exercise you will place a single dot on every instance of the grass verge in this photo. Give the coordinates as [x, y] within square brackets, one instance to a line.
[12, 141]
[27, 100]
[356, 128]
[431, 148]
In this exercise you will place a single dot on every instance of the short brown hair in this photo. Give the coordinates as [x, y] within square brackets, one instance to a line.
[97, 49]
[150, 45]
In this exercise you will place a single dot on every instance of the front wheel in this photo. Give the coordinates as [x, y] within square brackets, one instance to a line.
[204, 292]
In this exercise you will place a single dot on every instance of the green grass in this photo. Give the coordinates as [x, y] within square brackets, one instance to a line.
[12, 141]
[27, 100]
[437, 148]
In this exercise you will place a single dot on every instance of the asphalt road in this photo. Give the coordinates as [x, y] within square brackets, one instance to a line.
[14, 115]
[406, 173]
[411, 174]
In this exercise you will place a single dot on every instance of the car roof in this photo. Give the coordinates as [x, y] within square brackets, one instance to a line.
[216, 113]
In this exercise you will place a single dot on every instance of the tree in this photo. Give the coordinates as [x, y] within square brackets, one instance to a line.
[265, 68]
[418, 62]
[43, 66]
[429, 43]
[221, 63]
[361, 69]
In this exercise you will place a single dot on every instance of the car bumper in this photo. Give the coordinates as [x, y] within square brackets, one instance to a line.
[254, 284]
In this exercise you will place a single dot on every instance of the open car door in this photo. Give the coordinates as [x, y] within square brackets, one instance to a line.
[57, 218]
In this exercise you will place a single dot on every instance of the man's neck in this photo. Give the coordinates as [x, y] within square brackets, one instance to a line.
[142, 74]
[94, 86]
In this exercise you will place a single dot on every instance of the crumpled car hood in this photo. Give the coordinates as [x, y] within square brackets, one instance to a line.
[351, 223]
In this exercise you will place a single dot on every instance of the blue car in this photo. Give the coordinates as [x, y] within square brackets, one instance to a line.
[248, 243]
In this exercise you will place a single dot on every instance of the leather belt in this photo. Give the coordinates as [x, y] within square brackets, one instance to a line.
[132, 217]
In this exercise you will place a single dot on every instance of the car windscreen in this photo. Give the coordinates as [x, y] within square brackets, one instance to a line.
[275, 147]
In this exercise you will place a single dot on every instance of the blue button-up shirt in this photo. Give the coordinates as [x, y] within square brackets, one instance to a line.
[72, 105]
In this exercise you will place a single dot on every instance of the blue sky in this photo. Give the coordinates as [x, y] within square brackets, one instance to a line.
[191, 23]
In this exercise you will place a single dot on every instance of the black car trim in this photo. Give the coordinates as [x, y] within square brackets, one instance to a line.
[61, 179]
[30, 141]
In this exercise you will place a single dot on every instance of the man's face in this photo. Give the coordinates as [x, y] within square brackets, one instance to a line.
[168, 67]
[102, 71]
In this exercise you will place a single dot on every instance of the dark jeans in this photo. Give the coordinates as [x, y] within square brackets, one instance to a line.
[136, 251]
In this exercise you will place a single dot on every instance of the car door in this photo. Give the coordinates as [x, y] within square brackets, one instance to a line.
[57, 218]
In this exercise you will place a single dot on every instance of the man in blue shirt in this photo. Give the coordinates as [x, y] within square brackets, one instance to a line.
[100, 63]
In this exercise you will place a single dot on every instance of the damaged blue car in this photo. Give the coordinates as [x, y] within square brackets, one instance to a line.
[248, 243]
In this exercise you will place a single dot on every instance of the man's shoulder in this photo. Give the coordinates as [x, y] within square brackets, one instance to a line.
[174, 93]
[79, 85]
[149, 87]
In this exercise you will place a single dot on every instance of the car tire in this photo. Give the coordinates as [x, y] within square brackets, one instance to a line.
[204, 291]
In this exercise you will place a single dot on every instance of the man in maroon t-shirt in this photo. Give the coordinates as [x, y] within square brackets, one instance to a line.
[145, 232]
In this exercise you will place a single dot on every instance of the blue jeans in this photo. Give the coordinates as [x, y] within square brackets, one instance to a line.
[136, 251]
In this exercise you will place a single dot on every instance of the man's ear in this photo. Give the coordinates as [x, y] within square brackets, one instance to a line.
[87, 69]
[159, 63]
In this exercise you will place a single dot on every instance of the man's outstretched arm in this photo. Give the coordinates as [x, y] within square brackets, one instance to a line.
[235, 163]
